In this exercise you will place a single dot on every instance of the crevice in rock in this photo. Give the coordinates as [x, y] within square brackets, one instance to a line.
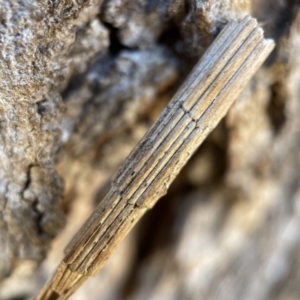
[276, 107]
[28, 180]
[38, 218]
[33, 202]
[115, 46]
[41, 107]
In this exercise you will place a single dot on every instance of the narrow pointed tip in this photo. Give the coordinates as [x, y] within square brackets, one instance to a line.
[260, 31]
[270, 43]
[248, 20]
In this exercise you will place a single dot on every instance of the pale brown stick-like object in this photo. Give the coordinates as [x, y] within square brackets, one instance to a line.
[203, 100]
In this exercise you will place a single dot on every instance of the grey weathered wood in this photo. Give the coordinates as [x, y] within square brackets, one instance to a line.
[195, 110]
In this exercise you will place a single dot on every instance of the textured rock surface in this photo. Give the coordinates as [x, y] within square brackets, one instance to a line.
[82, 83]
[109, 101]
[35, 38]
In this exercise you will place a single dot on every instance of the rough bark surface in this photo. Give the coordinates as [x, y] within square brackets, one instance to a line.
[81, 83]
